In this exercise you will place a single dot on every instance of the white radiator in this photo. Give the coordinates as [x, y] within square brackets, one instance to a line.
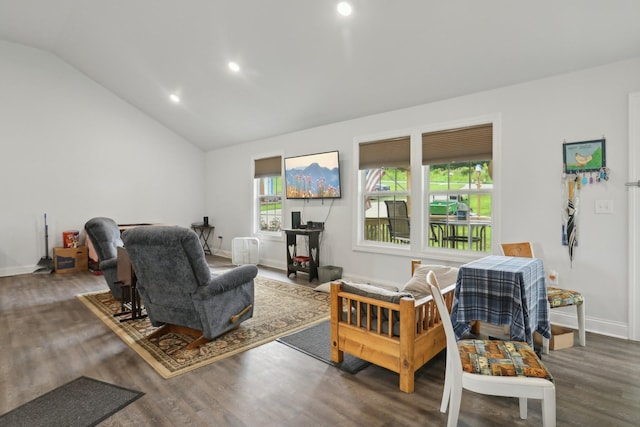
[245, 250]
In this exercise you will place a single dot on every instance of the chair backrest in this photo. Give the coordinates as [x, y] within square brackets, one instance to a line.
[169, 261]
[453, 356]
[105, 236]
[522, 249]
[398, 217]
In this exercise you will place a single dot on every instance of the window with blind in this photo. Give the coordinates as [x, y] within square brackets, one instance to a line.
[268, 195]
[457, 167]
[385, 172]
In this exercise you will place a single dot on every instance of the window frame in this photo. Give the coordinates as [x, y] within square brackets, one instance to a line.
[359, 242]
[258, 197]
[419, 191]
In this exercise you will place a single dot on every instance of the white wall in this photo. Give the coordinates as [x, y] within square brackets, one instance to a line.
[537, 117]
[70, 148]
[73, 150]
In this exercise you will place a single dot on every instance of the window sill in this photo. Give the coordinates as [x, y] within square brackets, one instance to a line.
[276, 236]
[436, 254]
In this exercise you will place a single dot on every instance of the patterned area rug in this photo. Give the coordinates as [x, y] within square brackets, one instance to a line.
[280, 309]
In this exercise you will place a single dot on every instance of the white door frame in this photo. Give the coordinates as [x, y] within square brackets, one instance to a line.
[634, 212]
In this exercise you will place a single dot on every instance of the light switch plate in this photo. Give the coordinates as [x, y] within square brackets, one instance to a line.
[604, 206]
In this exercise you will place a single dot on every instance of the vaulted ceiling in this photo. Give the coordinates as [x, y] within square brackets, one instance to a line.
[303, 65]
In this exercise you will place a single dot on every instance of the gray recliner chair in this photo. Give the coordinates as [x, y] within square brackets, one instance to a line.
[105, 237]
[178, 289]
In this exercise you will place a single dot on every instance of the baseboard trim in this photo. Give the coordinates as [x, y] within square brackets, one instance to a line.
[15, 271]
[567, 317]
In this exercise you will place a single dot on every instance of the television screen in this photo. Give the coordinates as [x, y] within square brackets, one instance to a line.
[313, 176]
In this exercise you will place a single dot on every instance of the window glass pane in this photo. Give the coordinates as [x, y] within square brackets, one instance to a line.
[387, 206]
[270, 203]
[459, 199]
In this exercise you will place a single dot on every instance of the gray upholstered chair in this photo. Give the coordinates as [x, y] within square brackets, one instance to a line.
[178, 289]
[105, 237]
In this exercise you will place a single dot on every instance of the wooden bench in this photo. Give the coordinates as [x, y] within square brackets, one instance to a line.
[418, 339]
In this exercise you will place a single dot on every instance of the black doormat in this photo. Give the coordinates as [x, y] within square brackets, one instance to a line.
[316, 342]
[81, 402]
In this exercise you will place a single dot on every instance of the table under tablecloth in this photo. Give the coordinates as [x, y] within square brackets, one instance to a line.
[502, 290]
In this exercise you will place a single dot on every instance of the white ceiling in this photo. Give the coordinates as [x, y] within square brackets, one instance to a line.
[303, 65]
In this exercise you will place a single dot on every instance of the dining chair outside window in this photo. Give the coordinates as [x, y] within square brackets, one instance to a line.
[558, 297]
[512, 369]
[398, 217]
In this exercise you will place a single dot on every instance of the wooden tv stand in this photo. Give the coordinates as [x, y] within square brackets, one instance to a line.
[312, 235]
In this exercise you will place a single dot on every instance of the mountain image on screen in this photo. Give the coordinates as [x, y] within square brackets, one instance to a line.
[312, 180]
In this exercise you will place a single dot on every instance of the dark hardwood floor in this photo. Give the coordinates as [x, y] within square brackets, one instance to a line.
[47, 338]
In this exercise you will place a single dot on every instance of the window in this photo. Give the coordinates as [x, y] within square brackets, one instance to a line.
[429, 190]
[457, 167]
[268, 195]
[384, 168]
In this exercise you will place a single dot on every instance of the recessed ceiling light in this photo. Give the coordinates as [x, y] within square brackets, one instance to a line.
[175, 98]
[344, 8]
[233, 66]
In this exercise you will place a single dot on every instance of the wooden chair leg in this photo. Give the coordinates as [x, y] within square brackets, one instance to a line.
[581, 325]
[455, 400]
[337, 355]
[165, 329]
[545, 341]
[162, 330]
[446, 391]
[549, 407]
[523, 408]
[197, 342]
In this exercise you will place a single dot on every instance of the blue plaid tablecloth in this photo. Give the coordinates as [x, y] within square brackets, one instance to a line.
[503, 291]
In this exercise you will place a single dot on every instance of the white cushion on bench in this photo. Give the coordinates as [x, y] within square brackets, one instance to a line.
[418, 287]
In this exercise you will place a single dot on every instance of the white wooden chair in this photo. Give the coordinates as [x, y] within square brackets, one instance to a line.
[503, 376]
[557, 297]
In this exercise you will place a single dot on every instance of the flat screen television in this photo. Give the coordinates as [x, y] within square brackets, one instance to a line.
[313, 176]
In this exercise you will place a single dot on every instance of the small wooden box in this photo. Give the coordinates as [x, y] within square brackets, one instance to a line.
[70, 260]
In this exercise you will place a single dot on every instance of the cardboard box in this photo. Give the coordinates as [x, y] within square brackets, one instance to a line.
[560, 338]
[70, 260]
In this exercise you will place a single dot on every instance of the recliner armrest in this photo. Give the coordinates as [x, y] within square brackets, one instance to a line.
[228, 280]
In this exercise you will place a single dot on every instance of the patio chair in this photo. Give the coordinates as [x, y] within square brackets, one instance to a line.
[398, 217]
